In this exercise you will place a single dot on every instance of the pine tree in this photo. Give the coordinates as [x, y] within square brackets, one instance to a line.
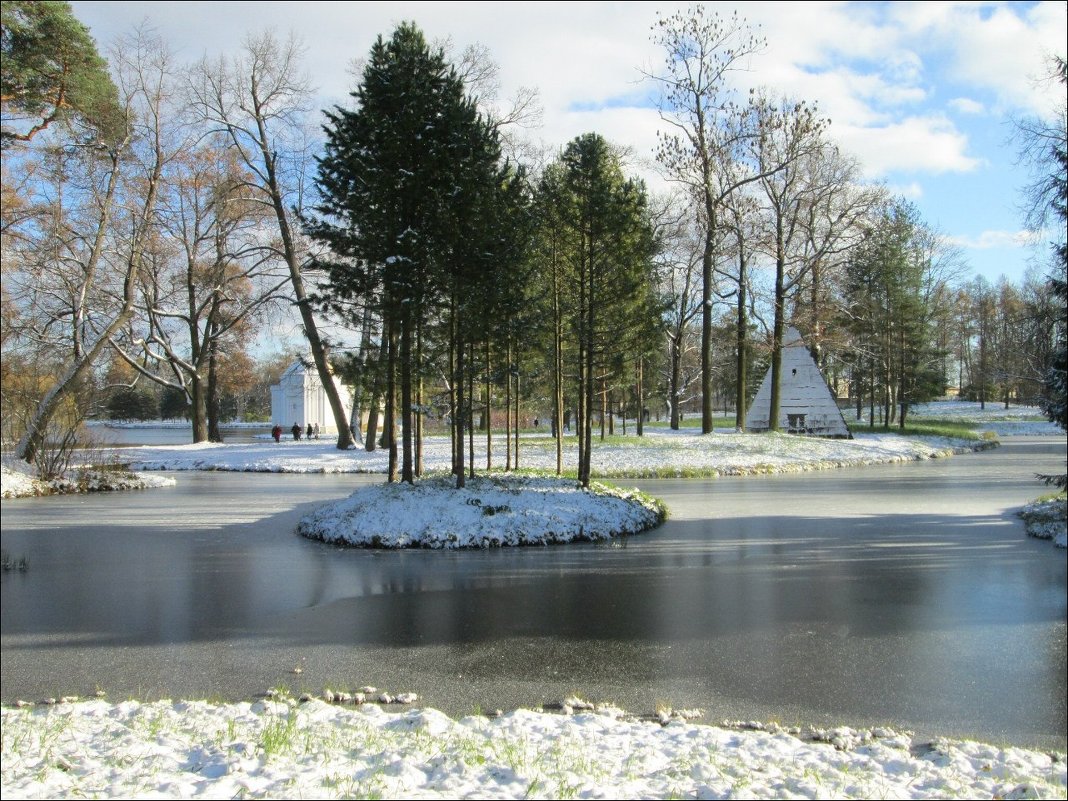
[609, 244]
[52, 72]
[414, 210]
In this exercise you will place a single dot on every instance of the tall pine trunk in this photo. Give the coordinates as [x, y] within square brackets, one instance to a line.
[408, 451]
[508, 408]
[777, 331]
[489, 412]
[458, 407]
[391, 404]
[706, 316]
[374, 409]
[741, 337]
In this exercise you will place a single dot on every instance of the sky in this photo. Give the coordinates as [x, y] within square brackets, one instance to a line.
[923, 94]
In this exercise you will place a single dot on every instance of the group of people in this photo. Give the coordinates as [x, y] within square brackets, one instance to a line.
[297, 430]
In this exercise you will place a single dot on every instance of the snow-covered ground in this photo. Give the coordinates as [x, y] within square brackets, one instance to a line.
[995, 418]
[660, 452]
[1048, 520]
[284, 749]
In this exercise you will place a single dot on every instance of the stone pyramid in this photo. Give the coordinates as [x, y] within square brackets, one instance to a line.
[806, 404]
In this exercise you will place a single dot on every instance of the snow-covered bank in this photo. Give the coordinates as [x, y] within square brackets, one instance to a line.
[226, 425]
[1048, 520]
[17, 481]
[664, 454]
[282, 749]
[995, 418]
[489, 511]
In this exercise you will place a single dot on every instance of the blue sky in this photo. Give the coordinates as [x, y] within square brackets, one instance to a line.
[922, 94]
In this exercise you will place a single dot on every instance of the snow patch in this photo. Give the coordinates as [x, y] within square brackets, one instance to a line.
[282, 748]
[17, 481]
[489, 511]
[1048, 520]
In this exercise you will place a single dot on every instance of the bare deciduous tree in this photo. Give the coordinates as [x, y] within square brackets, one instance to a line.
[702, 51]
[100, 263]
[258, 101]
[209, 277]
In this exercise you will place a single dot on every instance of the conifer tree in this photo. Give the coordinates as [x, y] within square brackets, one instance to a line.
[52, 72]
[610, 245]
[415, 213]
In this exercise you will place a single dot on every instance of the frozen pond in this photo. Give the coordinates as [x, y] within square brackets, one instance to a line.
[898, 594]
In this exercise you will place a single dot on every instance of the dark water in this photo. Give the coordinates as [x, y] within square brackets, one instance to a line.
[906, 595]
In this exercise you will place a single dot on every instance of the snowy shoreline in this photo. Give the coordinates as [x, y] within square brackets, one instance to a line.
[282, 748]
[665, 454]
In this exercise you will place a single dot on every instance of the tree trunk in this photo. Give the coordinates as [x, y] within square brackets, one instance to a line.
[407, 461]
[471, 411]
[508, 408]
[604, 407]
[32, 440]
[588, 310]
[515, 460]
[706, 324]
[641, 396]
[391, 403]
[558, 374]
[458, 408]
[212, 401]
[356, 414]
[777, 332]
[741, 337]
[489, 413]
[420, 414]
[558, 400]
[373, 410]
[419, 429]
[676, 380]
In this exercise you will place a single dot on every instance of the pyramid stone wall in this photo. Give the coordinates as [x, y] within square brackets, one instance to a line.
[806, 404]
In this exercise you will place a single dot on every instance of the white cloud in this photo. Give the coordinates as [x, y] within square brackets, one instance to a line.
[988, 240]
[1000, 48]
[877, 70]
[818, 35]
[926, 144]
[910, 191]
[965, 105]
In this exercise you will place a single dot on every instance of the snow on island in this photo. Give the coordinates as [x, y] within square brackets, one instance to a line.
[489, 511]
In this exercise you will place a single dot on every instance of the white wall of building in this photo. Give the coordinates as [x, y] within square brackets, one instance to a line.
[299, 398]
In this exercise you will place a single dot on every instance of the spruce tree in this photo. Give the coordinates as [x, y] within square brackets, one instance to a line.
[610, 246]
[412, 187]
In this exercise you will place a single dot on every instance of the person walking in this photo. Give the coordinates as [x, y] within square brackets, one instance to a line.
[296, 429]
